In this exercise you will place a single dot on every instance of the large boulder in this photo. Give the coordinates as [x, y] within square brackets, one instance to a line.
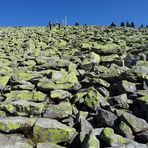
[110, 58]
[141, 69]
[93, 98]
[62, 110]
[106, 49]
[125, 130]
[16, 124]
[60, 95]
[24, 75]
[106, 118]
[89, 60]
[25, 95]
[60, 80]
[53, 131]
[121, 100]
[91, 141]
[52, 63]
[135, 123]
[85, 128]
[133, 144]
[111, 138]
[23, 108]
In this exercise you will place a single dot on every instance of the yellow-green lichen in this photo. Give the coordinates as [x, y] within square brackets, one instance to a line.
[9, 126]
[109, 58]
[25, 95]
[92, 98]
[22, 75]
[108, 48]
[54, 135]
[4, 80]
[125, 129]
[110, 138]
[144, 99]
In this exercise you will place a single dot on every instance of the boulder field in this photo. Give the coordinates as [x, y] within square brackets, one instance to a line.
[73, 87]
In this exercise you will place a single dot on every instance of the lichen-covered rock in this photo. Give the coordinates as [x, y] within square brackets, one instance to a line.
[90, 59]
[79, 97]
[52, 63]
[53, 131]
[111, 138]
[60, 80]
[24, 86]
[60, 95]
[3, 81]
[141, 69]
[86, 46]
[106, 49]
[3, 114]
[92, 98]
[133, 144]
[16, 124]
[5, 70]
[93, 79]
[22, 75]
[135, 123]
[111, 73]
[121, 100]
[25, 95]
[83, 115]
[109, 58]
[128, 87]
[23, 108]
[85, 127]
[62, 110]
[125, 130]
[91, 141]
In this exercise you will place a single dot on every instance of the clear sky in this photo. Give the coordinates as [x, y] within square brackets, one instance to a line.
[91, 12]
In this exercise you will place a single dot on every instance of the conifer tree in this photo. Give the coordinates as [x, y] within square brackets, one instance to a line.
[113, 24]
[122, 24]
[142, 26]
[132, 25]
[128, 24]
[76, 24]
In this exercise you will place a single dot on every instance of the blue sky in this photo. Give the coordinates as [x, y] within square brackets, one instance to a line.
[92, 12]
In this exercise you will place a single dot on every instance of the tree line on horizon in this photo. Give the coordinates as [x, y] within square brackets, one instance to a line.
[127, 24]
[122, 24]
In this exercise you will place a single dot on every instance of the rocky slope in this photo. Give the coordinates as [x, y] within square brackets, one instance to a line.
[73, 87]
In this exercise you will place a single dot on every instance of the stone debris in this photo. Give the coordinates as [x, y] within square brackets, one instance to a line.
[77, 86]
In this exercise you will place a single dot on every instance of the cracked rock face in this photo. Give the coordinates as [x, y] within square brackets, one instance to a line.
[73, 86]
